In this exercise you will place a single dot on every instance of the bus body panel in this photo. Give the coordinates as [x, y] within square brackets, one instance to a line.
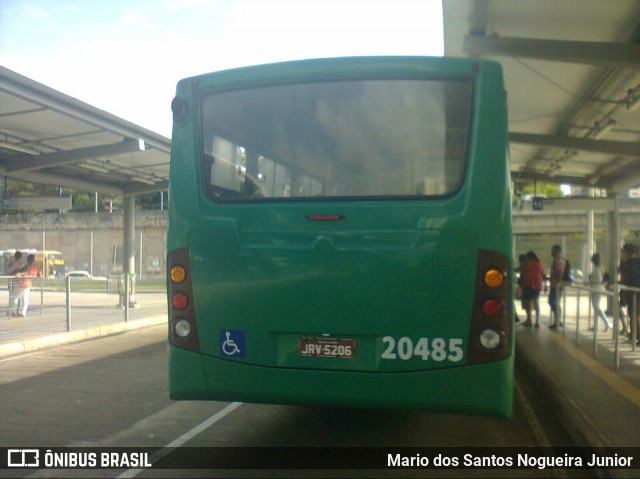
[363, 287]
[388, 271]
[479, 389]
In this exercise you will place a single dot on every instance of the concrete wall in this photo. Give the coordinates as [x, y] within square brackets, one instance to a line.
[79, 236]
[74, 234]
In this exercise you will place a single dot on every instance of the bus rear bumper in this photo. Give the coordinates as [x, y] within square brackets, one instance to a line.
[483, 389]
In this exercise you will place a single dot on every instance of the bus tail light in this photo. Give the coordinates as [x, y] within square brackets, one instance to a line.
[490, 339]
[183, 328]
[490, 328]
[178, 274]
[179, 301]
[493, 278]
[491, 308]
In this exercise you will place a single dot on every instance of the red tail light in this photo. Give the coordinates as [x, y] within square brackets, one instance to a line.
[179, 301]
[491, 308]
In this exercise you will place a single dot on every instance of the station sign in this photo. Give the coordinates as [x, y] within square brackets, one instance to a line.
[537, 203]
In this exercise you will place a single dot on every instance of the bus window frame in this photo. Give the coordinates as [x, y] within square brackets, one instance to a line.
[470, 78]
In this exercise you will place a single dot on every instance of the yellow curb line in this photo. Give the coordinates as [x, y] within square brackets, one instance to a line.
[623, 387]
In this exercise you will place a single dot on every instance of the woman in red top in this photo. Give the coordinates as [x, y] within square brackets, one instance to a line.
[532, 283]
[30, 271]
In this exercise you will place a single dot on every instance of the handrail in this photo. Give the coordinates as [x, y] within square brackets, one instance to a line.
[10, 288]
[613, 291]
[87, 302]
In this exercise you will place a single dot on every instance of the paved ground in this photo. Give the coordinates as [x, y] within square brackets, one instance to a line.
[92, 315]
[113, 392]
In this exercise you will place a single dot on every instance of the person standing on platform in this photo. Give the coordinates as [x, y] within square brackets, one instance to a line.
[630, 276]
[14, 268]
[31, 271]
[532, 282]
[596, 282]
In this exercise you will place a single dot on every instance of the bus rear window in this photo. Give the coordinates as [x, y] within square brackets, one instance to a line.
[348, 140]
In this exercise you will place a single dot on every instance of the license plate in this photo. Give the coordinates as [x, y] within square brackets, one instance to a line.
[327, 347]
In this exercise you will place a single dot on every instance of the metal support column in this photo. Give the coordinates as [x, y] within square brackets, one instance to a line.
[129, 247]
[590, 246]
[615, 247]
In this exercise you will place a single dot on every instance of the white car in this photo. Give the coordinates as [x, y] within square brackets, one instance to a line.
[83, 275]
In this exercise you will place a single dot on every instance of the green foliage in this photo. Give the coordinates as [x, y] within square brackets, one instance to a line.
[148, 201]
[547, 190]
[21, 188]
[81, 201]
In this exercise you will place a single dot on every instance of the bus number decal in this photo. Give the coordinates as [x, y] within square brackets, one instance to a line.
[436, 349]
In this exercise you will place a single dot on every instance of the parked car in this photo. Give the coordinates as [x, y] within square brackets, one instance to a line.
[83, 275]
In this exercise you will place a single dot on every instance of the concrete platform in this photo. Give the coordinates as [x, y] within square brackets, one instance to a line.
[599, 406]
[93, 315]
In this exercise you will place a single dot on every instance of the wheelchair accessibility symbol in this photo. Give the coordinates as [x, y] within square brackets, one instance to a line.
[232, 343]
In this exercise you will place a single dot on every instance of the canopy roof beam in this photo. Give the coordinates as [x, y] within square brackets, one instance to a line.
[48, 178]
[623, 148]
[592, 53]
[70, 157]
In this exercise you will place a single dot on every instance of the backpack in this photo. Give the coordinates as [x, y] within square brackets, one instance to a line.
[566, 276]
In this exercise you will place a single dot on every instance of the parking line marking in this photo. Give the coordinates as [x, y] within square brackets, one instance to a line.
[186, 437]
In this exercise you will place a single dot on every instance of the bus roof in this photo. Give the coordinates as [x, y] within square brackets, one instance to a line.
[342, 68]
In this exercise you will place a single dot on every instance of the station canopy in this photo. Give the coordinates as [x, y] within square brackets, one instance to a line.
[50, 138]
[572, 75]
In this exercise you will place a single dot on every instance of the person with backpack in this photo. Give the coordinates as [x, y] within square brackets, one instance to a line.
[556, 280]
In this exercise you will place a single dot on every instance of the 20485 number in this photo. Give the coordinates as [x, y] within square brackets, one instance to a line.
[436, 349]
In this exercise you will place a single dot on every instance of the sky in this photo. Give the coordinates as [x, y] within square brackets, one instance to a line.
[126, 56]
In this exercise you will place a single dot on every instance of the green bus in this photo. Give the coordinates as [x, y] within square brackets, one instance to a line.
[340, 234]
